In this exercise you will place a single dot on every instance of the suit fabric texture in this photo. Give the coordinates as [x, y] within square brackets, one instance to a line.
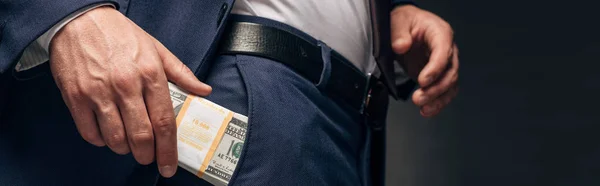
[310, 140]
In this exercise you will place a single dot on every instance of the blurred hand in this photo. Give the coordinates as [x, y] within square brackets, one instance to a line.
[425, 46]
[113, 78]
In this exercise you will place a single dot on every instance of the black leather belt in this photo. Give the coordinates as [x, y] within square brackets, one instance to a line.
[346, 83]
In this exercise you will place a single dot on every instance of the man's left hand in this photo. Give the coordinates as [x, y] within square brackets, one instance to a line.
[425, 45]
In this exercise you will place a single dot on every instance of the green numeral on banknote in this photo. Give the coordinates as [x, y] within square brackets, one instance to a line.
[193, 140]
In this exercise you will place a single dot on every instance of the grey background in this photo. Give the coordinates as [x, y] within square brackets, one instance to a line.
[527, 110]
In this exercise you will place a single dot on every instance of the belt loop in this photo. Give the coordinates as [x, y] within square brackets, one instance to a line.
[326, 57]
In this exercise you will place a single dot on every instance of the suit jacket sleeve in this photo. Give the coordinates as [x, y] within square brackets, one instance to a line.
[22, 22]
[402, 2]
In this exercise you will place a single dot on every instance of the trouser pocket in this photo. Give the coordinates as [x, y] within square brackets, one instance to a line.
[296, 135]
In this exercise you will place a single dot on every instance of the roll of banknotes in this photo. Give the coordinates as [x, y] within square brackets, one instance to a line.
[210, 138]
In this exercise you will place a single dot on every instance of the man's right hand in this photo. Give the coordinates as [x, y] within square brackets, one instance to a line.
[113, 78]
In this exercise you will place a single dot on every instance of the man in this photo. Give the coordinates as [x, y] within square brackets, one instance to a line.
[302, 71]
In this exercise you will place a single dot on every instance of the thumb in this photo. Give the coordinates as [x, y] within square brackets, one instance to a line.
[179, 73]
[401, 37]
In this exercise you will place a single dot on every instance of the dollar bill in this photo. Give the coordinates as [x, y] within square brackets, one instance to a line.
[227, 154]
[177, 98]
[210, 138]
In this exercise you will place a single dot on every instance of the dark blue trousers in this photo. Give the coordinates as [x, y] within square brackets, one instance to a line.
[296, 134]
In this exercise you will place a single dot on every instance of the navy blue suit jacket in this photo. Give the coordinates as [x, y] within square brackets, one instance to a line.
[31, 107]
[188, 28]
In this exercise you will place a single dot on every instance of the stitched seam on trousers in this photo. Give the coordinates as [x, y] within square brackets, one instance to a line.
[250, 122]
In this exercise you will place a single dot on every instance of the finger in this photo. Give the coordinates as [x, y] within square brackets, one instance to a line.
[82, 115]
[433, 108]
[138, 128]
[180, 74]
[85, 120]
[448, 80]
[111, 127]
[401, 37]
[440, 44]
[160, 110]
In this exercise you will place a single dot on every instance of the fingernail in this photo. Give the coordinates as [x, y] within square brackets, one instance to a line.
[204, 84]
[167, 171]
[208, 89]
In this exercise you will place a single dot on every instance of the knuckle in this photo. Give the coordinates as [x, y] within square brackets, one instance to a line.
[89, 90]
[95, 83]
[74, 95]
[125, 84]
[127, 103]
[164, 126]
[124, 79]
[448, 27]
[73, 91]
[150, 71]
[102, 108]
[154, 84]
[142, 138]
[115, 140]
[78, 90]
[454, 79]
[450, 55]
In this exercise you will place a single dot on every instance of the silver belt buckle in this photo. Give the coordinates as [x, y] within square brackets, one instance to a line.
[367, 94]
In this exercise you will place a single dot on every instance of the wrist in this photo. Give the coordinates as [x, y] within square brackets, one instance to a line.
[87, 18]
[67, 23]
[84, 24]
